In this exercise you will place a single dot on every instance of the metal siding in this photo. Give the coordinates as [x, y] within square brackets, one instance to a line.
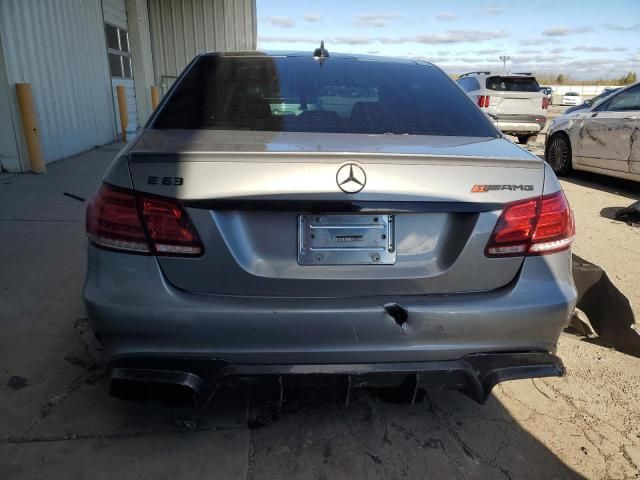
[142, 61]
[9, 156]
[59, 47]
[115, 13]
[182, 29]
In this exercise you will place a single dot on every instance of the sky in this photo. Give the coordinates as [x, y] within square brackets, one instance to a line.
[583, 39]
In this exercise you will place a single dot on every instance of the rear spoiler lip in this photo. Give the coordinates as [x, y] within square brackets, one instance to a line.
[342, 206]
[149, 156]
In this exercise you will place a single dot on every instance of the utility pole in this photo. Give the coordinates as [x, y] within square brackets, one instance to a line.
[505, 59]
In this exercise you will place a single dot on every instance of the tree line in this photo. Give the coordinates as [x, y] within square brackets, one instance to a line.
[562, 79]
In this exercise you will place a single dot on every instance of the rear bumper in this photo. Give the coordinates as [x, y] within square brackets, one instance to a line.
[475, 374]
[520, 123]
[136, 313]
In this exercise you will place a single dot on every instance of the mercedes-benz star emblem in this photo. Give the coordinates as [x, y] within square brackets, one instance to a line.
[351, 178]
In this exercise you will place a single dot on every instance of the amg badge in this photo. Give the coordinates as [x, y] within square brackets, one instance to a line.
[493, 188]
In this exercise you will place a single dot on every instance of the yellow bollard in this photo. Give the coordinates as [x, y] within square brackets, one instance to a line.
[155, 96]
[30, 127]
[122, 106]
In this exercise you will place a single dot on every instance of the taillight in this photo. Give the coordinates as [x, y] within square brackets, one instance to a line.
[113, 221]
[119, 219]
[545, 103]
[483, 101]
[169, 228]
[556, 228]
[534, 226]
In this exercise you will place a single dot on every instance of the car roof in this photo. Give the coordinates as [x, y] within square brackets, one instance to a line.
[613, 93]
[489, 74]
[301, 53]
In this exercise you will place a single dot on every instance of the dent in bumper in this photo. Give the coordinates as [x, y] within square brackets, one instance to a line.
[135, 312]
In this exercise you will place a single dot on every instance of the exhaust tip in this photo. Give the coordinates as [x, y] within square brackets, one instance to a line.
[144, 385]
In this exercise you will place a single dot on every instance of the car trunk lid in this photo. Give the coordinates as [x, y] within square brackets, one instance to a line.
[257, 197]
[517, 103]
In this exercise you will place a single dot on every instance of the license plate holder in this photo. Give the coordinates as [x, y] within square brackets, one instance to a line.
[354, 239]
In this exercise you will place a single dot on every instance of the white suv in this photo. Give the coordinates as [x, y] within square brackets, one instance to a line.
[514, 101]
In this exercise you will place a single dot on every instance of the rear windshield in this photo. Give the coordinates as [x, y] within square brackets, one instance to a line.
[571, 94]
[513, 84]
[336, 95]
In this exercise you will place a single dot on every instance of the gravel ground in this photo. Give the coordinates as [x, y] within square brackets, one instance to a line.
[586, 424]
[612, 245]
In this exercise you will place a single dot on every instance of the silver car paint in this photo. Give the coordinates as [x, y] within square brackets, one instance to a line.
[136, 310]
[261, 307]
[571, 124]
[137, 313]
[437, 251]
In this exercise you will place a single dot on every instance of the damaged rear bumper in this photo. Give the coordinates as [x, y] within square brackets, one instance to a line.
[475, 375]
[520, 123]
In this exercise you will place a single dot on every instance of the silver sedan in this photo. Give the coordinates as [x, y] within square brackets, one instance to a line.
[353, 217]
[602, 139]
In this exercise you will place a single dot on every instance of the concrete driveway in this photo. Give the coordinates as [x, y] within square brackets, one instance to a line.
[57, 420]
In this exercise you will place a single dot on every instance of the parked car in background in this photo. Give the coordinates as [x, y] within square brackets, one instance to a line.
[571, 98]
[592, 101]
[548, 92]
[601, 139]
[513, 101]
[392, 232]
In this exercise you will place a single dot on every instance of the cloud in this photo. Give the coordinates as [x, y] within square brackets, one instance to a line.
[377, 20]
[394, 40]
[279, 21]
[557, 50]
[459, 36]
[493, 9]
[373, 52]
[353, 40]
[598, 49]
[589, 64]
[547, 58]
[564, 31]
[590, 69]
[589, 49]
[425, 58]
[488, 52]
[287, 39]
[535, 42]
[621, 28]
[312, 17]
[446, 16]
[449, 37]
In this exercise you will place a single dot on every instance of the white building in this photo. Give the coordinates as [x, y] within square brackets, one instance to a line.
[75, 52]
